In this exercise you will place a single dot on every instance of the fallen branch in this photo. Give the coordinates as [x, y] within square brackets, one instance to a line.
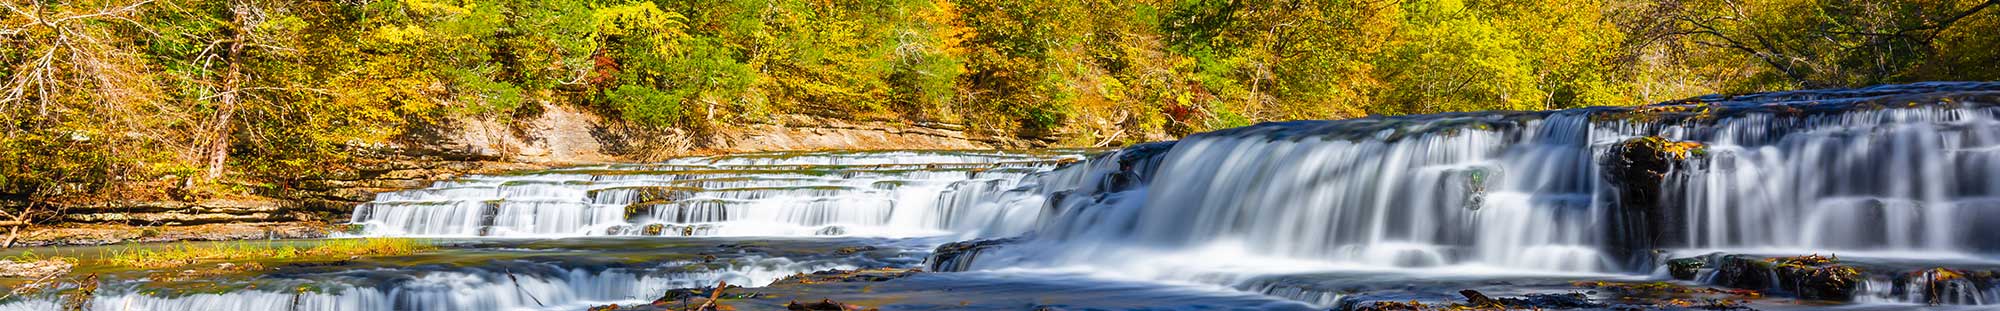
[523, 291]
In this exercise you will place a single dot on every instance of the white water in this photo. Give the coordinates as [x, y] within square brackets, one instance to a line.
[1504, 195]
[1523, 193]
[866, 194]
[475, 289]
[891, 194]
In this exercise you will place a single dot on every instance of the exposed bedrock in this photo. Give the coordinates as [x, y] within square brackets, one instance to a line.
[958, 256]
[1831, 278]
[1639, 170]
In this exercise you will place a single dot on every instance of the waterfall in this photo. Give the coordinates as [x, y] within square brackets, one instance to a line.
[777, 194]
[1896, 169]
[1901, 171]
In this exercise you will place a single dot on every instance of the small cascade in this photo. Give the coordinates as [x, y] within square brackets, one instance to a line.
[1593, 191]
[1932, 287]
[776, 194]
[508, 274]
[519, 286]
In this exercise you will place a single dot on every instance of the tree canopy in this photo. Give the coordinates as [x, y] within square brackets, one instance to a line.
[103, 95]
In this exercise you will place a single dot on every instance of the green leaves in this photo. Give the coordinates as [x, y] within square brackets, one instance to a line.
[647, 105]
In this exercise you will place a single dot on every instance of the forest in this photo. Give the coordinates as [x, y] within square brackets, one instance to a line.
[143, 98]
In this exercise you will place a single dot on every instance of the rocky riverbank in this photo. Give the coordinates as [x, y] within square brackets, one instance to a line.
[558, 137]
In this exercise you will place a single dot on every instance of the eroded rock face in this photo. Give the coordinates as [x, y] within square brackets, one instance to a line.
[958, 256]
[188, 213]
[1639, 169]
[99, 233]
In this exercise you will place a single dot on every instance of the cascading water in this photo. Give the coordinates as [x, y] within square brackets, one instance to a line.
[529, 287]
[744, 219]
[873, 194]
[1315, 211]
[1894, 169]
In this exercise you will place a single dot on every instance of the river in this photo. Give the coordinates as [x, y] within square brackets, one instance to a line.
[1896, 183]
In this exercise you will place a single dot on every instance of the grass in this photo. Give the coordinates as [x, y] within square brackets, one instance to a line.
[185, 253]
[31, 256]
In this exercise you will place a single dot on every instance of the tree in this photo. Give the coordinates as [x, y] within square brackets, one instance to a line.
[1827, 44]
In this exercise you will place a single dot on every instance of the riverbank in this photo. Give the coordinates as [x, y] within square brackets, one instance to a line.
[558, 137]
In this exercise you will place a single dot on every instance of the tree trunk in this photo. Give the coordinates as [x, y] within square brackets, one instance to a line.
[12, 233]
[217, 150]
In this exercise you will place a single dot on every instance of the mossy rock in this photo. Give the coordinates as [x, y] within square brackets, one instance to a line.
[651, 193]
[1685, 268]
[1812, 277]
[1639, 169]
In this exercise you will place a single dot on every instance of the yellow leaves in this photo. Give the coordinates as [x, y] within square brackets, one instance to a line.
[1943, 275]
[1680, 150]
[638, 18]
[642, 19]
[407, 34]
[946, 24]
[439, 7]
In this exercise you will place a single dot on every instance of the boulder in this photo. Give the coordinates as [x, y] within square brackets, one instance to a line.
[1811, 277]
[1639, 169]
[1685, 268]
[958, 256]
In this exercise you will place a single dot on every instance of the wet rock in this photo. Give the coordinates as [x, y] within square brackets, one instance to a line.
[81, 297]
[1639, 170]
[958, 256]
[1472, 182]
[1389, 306]
[1685, 268]
[822, 305]
[1135, 164]
[836, 276]
[1550, 301]
[850, 250]
[1479, 301]
[744, 248]
[1475, 298]
[682, 295]
[37, 268]
[654, 229]
[648, 195]
[1667, 294]
[831, 230]
[636, 210]
[1811, 277]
